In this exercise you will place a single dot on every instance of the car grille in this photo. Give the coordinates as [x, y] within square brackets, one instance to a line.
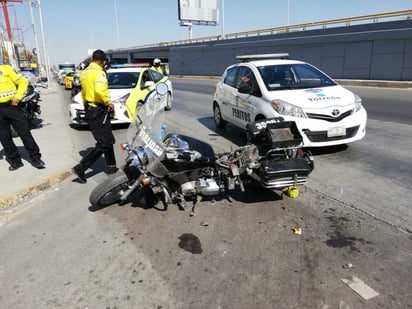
[322, 136]
[330, 118]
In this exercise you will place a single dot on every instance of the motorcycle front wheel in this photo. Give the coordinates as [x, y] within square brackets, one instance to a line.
[110, 190]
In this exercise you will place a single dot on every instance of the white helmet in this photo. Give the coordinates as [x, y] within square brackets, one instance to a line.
[156, 61]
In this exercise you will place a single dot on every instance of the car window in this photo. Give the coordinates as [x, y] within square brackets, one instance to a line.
[230, 77]
[157, 76]
[122, 80]
[309, 76]
[146, 77]
[246, 79]
[293, 76]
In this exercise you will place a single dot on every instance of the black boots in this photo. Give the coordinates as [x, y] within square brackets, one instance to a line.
[15, 165]
[110, 161]
[90, 158]
[85, 163]
[111, 169]
[79, 171]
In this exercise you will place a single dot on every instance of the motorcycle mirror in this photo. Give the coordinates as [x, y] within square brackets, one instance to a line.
[161, 88]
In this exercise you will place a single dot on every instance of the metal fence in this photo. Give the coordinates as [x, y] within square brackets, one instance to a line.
[350, 21]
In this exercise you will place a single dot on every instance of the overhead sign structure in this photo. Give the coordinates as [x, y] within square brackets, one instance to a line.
[199, 12]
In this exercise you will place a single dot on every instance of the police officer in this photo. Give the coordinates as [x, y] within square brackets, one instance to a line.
[12, 89]
[97, 105]
[156, 66]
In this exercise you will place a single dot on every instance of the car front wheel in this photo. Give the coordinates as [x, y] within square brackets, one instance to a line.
[217, 115]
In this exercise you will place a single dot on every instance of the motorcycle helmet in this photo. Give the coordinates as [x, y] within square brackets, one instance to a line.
[173, 140]
[156, 62]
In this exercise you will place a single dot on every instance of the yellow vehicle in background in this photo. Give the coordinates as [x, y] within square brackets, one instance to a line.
[68, 80]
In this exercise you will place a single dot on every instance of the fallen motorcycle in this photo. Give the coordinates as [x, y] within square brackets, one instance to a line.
[179, 169]
[30, 104]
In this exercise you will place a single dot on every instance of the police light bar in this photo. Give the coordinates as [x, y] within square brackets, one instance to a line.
[246, 58]
[130, 65]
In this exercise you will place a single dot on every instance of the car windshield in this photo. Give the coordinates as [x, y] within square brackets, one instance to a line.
[122, 80]
[293, 76]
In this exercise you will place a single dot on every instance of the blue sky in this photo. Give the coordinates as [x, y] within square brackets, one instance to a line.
[71, 27]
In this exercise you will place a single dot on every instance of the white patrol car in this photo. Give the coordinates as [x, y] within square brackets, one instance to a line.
[267, 86]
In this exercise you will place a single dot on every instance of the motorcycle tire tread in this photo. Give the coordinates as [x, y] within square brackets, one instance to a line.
[109, 184]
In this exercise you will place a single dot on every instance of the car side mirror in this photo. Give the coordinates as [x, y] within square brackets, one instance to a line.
[148, 84]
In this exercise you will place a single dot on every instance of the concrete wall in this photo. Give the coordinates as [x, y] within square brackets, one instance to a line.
[377, 51]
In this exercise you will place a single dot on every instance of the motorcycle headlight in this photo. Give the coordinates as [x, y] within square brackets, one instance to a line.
[287, 109]
[358, 103]
[122, 100]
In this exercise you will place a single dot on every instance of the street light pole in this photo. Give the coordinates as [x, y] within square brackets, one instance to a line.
[223, 18]
[35, 37]
[46, 56]
[288, 12]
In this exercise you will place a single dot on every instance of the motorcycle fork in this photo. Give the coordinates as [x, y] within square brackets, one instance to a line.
[133, 187]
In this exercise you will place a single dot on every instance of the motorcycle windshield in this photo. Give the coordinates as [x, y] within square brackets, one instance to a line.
[146, 134]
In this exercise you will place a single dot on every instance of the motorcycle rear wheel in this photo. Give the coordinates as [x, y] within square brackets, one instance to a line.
[110, 190]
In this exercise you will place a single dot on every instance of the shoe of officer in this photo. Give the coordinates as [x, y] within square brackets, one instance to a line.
[111, 169]
[79, 171]
[38, 164]
[15, 165]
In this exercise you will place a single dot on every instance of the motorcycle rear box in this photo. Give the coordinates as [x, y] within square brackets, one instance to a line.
[274, 133]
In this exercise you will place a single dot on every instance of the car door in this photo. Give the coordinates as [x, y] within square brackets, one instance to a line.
[248, 94]
[227, 94]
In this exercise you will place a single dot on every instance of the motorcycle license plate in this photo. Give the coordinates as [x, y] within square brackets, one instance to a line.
[336, 131]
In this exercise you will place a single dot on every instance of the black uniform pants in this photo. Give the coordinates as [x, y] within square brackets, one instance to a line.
[13, 115]
[101, 128]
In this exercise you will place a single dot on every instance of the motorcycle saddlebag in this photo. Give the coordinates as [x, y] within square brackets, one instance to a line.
[285, 172]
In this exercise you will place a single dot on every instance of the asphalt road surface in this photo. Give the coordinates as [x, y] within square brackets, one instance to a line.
[354, 214]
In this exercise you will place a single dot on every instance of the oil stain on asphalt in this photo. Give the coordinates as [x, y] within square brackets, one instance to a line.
[190, 243]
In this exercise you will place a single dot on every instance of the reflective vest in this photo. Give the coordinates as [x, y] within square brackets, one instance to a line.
[158, 69]
[95, 88]
[12, 84]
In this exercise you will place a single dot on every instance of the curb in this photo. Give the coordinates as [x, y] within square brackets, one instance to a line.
[24, 194]
[375, 83]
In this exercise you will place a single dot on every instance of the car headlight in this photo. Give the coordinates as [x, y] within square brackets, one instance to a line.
[283, 108]
[122, 100]
[358, 103]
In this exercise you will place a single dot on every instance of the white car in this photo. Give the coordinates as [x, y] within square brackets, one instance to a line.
[266, 86]
[122, 79]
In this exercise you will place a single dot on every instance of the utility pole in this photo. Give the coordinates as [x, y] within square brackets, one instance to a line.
[38, 60]
[6, 16]
[46, 56]
[11, 49]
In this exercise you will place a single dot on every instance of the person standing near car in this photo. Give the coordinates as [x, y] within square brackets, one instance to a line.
[156, 66]
[12, 89]
[97, 105]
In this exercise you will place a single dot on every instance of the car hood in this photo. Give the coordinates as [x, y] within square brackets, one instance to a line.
[115, 94]
[316, 98]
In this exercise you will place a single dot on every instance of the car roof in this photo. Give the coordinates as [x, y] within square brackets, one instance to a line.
[260, 63]
[266, 59]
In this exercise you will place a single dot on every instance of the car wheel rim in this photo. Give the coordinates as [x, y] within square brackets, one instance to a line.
[169, 101]
[217, 115]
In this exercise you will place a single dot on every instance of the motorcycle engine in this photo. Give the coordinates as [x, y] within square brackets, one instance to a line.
[206, 187]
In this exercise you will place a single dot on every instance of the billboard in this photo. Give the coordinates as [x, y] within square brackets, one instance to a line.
[199, 11]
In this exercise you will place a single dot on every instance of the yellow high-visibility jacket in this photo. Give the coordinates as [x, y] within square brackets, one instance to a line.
[95, 88]
[12, 84]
